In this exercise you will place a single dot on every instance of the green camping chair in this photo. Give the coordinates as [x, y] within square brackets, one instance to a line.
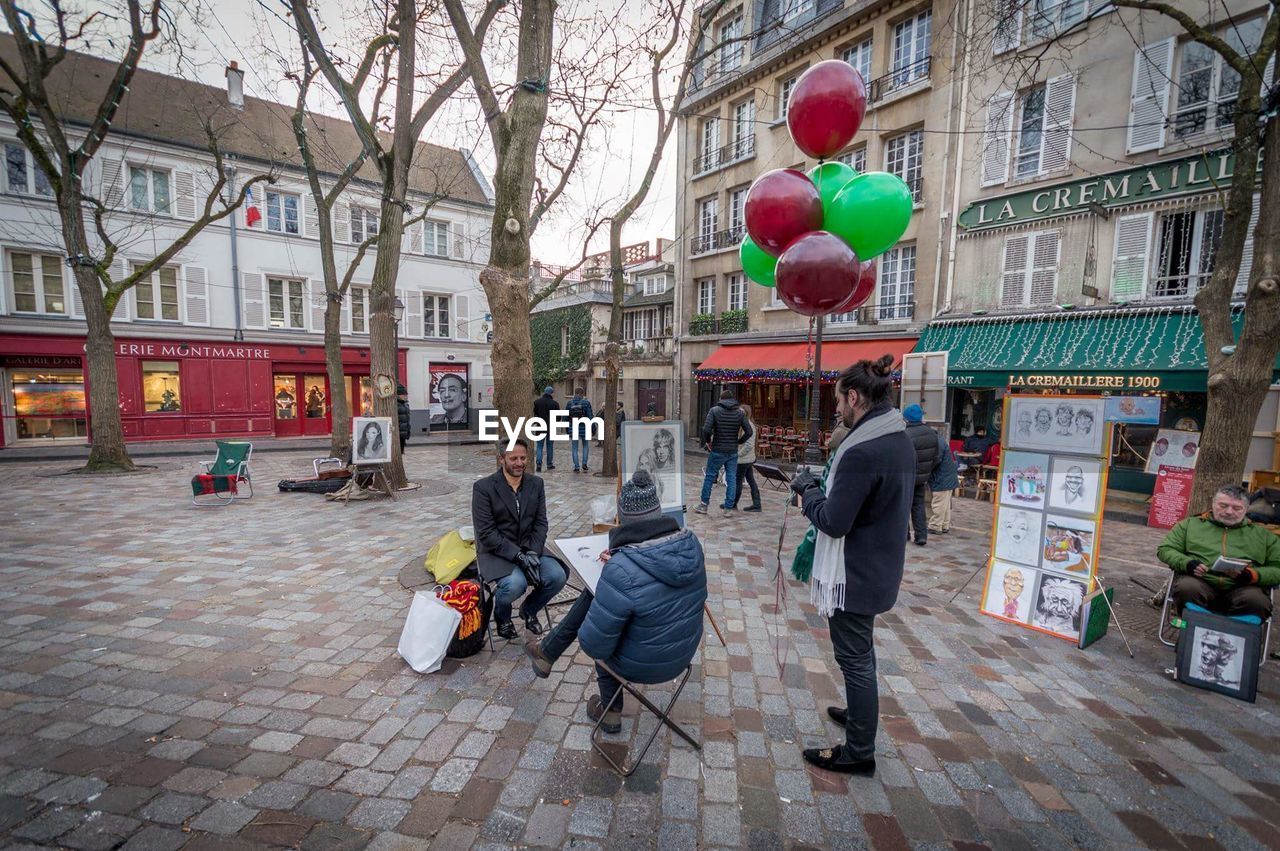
[225, 479]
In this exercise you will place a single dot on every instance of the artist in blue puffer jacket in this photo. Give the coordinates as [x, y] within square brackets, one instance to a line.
[645, 620]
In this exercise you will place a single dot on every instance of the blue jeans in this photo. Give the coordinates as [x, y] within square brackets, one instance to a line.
[573, 450]
[565, 633]
[551, 453]
[511, 586]
[716, 460]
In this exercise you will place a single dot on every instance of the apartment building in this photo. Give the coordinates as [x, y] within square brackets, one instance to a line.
[227, 338]
[1088, 214]
[733, 332]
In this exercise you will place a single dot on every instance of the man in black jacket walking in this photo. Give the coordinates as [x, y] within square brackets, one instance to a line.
[925, 441]
[725, 428]
[542, 408]
[403, 415]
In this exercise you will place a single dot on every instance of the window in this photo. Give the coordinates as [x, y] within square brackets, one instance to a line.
[1029, 276]
[1030, 133]
[1050, 17]
[286, 303]
[707, 295]
[655, 286]
[737, 292]
[737, 205]
[855, 159]
[359, 309]
[282, 212]
[564, 340]
[708, 222]
[628, 326]
[744, 119]
[22, 175]
[156, 296]
[1186, 251]
[859, 56]
[1208, 88]
[911, 42]
[732, 46]
[793, 9]
[364, 224]
[904, 157]
[38, 284]
[710, 144]
[161, 387]
[897, 283]
[435, 315]
[149, 190]
[435, 237]
[784, 96]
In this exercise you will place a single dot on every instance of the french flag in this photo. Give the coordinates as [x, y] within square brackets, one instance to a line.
[251, 212]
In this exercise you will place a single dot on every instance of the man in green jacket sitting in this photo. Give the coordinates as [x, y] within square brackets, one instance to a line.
[1193, 546]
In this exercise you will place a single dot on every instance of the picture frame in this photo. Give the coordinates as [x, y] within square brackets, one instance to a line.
[1024, 479]
[1221, 654]
[1173, 448]
[1017, 535]
[1075, 485]
[659, 448]
[1067, 545]
[1058, 424]
[1009, 590]
[371, 440]
[1058, 605]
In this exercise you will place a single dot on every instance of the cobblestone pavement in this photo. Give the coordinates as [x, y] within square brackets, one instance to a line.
[172, 677]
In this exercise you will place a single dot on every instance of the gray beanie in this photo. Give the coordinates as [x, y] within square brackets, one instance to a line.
[639, 499]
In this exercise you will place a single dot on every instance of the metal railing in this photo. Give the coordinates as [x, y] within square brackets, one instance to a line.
[717, 241]
[735, 151]
[729, 322]
[898, 79]
[639, 349]
[894, 308]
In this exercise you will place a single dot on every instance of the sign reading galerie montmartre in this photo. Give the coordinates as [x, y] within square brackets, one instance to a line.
[1196, 173]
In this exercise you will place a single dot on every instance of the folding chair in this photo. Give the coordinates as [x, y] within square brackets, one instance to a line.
[664, 715]
[1167, 626]
[226, 477]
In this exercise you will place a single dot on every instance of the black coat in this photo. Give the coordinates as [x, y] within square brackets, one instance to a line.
[869, 510]
[402, 416]
[726, 427]
[925, 440]
[504, 527]
[543, 406]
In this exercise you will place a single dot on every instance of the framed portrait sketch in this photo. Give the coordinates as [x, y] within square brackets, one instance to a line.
[371, 440]
[1018, 536]
[1024, 481]
[1174, 448]
[1058, 601]
[1072, 424]
[1075, 484]
[1068, 544]
[1009, 590]
[1220, 654]
[659, 448]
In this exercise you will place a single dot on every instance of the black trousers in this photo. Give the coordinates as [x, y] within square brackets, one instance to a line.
[747, 472]
[855, 651]
[919, 516]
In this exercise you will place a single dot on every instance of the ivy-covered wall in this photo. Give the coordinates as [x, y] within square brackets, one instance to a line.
[549, 365]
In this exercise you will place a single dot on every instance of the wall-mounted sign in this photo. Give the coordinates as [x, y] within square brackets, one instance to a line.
[1091, 381]
[184, 350]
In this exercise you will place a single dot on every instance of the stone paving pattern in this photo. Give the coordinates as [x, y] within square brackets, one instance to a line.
[173, 677]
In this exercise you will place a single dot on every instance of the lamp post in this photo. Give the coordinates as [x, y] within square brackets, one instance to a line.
[813, 450]
[397, 310]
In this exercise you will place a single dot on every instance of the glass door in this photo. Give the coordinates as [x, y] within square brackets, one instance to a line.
[315, 404]
[47, 404]
[287, 409]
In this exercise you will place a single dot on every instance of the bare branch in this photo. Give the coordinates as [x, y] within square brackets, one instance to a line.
[499, 123]
[1200, 33]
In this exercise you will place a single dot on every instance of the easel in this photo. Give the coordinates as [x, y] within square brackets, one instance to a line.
[377, 476]
[1098, 578]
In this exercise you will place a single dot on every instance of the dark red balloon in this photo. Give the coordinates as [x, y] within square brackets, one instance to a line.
[781, 205]
[817, 273]
[862, 291]
[826, 108]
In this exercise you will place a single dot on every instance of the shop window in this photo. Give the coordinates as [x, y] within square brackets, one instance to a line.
[435, 315]
[156, 296]
[22, 175]
[161, 387]
[859, 56]
[1207, 88]
[1186, 251]
[282, 212]
[364, 224]
[48, 405]
[38, 284]
[286, 397]
[287, 303]
[897, 283]
[149, 190]
[315, 397]
[435, 237]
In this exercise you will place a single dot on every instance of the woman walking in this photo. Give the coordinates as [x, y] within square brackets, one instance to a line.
[746, 465]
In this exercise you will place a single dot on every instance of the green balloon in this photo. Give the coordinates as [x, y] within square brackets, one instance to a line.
[871, 213]
[757, 265]
[830, 178]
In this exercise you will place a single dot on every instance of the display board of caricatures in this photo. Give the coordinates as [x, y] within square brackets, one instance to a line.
[1049, 498]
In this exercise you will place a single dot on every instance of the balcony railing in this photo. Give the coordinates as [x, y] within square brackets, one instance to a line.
[644, 349]
[717, 241]
[899, 79]
[740, 149]
[892, 309]
[728, 322]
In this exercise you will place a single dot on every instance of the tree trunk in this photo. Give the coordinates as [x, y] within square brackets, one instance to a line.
[512, 353]
[339, 408]
[384, 354]
[612, 355]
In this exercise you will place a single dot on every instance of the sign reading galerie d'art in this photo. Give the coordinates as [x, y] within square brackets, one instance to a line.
[1050, 491]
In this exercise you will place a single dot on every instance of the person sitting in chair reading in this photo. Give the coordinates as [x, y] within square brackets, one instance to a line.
[509, 514]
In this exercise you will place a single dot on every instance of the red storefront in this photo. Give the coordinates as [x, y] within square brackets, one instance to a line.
[177, 389]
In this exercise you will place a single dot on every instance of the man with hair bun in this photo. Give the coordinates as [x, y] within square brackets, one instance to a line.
[861, 522]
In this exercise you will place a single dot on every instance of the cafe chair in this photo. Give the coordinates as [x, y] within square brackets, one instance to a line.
[663, 715]
[988, 481]
[1167, 629]
[225, 479]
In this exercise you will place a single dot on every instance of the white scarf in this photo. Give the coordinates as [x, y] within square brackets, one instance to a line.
[826, 584]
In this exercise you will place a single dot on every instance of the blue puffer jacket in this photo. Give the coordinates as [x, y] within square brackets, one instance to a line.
[646, 620]
[945, 476]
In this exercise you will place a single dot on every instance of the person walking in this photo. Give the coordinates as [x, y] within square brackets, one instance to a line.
[403, 415]
[944, 479]
[861, 522]
[542, 408]
[925, 441]
[619, 418]
[724, 430]
[579, 409]
[746, 467]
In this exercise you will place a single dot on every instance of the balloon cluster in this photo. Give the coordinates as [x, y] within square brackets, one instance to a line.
[815, 236]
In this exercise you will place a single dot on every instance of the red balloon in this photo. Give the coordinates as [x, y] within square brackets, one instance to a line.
[817, 273]
[862, 291]
[826, 108]
[781, 205]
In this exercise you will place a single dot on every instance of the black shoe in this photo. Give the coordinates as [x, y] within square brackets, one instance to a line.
[576, 470]
[507, 630]
[538, 469]
[755, 506]
[838, 714]
[612, 719]
[831, 759]
[531, 625]
[921, 543]
[551, 466]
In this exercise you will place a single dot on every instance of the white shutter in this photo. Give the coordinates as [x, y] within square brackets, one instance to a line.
[315, 289]
[415, 238]
[455, 240]
[112, 192]
[1246, 255]
[124, 307]
[412, 313]
[341, 222]
[1059, 107]
[1148, 108]
[77, 301]
[1132, 250]
[195, 283]
[310, 217]
[1013, 277]
[184, 195]
[462, 317]
[1044, 267]
[344, 323]
[1008, 31]
[253, 288]
[995, 139]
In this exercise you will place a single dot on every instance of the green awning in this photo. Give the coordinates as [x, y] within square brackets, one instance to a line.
[1159, 348]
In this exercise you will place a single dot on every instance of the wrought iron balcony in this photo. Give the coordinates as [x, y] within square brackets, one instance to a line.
[718, 241]
[649, 348]
[892, 309]
[728, 322]
[736, 151]
[899, 79]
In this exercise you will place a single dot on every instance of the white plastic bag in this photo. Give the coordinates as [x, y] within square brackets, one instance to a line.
[604, 509]
[428, 629]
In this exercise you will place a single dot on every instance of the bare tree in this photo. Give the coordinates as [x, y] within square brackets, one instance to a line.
[63, 155]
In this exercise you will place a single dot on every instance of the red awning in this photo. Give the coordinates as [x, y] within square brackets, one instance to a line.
[789, 361]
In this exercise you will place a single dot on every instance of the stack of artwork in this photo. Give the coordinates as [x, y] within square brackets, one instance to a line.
[1048, 512]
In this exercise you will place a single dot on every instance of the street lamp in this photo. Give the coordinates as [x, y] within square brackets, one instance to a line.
[397, 310]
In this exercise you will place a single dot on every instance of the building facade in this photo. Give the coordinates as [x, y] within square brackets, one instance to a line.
[734, 130]
[1089, 214]
[227, 339]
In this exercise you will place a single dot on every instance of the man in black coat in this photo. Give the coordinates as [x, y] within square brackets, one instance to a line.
[542, 408]
[925, 441]
[726, 427]
[509, 516]
[402, 414]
